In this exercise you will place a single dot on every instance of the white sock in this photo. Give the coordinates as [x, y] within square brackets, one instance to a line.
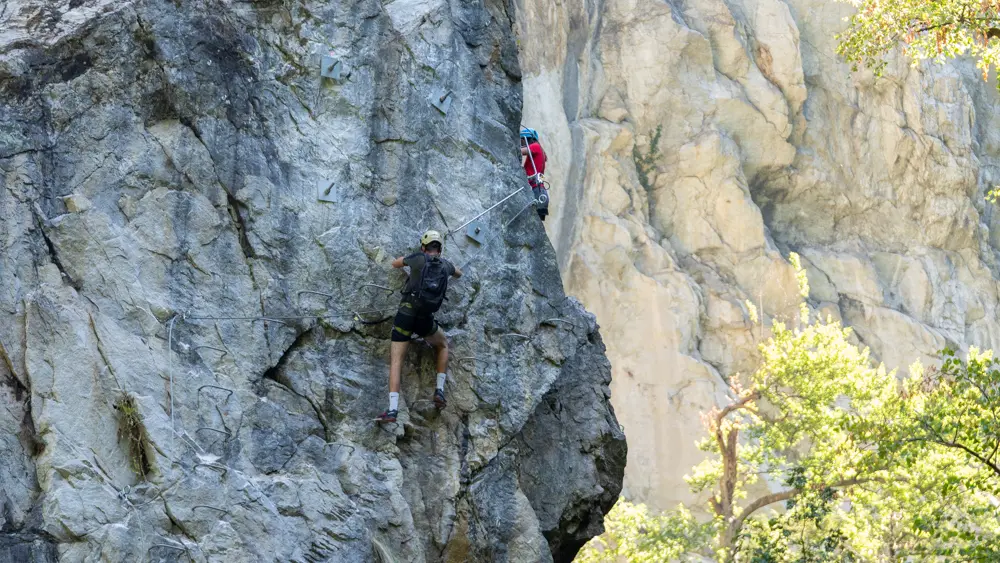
[394, 401]
[441, 378]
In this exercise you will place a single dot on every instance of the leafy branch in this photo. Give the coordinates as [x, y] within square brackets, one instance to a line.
[938, 30]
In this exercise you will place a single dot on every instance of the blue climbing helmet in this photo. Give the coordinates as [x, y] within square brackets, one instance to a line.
[529, 133]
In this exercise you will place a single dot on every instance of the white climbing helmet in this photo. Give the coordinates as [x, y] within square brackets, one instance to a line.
[431, 236]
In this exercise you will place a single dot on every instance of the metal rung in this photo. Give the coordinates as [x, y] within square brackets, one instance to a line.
[326, 191]
[477, 231]
[374, 286]
[331, 68]
[441, 99]
[557, 320]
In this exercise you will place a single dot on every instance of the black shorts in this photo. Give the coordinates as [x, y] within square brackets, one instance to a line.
[406, 325]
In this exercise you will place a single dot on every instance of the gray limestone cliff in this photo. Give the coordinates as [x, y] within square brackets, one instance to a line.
[163, 238]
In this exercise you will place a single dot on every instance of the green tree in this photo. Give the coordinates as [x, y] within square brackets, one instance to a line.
[821, 456]
[635, 535]
[945, 447]
[800, 424]
[935, 30]
[926, 29]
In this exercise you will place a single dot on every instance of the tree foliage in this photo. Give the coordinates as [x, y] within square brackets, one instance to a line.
[796, 433]
[635, 535]
[958, 406]
[926, 29]
[822, 456]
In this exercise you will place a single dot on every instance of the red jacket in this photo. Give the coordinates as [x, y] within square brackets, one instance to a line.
[535, 162]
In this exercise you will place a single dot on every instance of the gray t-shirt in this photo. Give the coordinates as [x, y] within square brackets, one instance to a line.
[416, 263]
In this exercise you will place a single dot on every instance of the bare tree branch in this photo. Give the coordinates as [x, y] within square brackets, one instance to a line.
[736, 524]
[957, 445]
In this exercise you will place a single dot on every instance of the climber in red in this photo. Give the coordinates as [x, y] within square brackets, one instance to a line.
[534, 168]
[422, 297]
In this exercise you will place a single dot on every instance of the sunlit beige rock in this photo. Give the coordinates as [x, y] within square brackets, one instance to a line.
[768, 145]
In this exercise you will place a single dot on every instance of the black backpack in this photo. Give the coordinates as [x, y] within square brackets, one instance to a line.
[427, 298]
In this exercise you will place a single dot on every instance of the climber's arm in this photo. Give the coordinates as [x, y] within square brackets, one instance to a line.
[398, 262]
[524, 151]
[457, 273]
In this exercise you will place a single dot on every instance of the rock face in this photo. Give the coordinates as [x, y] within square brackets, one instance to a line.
[160, 168]
[768, 145]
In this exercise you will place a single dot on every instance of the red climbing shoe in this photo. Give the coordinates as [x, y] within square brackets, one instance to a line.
[439, 400]
[387, 416]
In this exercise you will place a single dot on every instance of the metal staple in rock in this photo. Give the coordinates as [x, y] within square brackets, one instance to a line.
[215, 466]
[224, 352]
[229, 435]
[197, 506]
[557, 320]
[230, 391]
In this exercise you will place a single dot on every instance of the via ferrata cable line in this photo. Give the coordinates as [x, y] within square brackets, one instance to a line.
[496, 234]
[490, 208]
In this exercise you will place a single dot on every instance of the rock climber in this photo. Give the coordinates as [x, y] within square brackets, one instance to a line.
[534, 167]
[422, 297]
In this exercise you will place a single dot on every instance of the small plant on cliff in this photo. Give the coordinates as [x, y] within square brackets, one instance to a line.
[993, 195]
[132, 431]
[646, 163]
[937, 30]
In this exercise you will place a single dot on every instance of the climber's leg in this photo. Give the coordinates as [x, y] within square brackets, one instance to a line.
[440, 343]
[397, 352]
[402, 330]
